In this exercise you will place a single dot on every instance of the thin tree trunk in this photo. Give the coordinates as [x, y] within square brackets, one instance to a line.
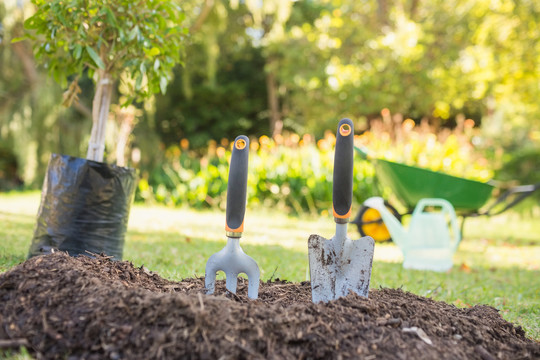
[382, 11]
[27, 61]
[24, 54]
[207, 7]
[100, 114]
[83, 109]
[126, 120]
[186, 83]
[276, 124]
[414, 9]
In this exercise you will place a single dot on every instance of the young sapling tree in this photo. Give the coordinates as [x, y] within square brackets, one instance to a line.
[139, 41]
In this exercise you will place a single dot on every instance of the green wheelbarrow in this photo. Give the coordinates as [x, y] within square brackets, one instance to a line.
[411, 184]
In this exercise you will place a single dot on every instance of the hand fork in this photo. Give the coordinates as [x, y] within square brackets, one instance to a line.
[231, 259]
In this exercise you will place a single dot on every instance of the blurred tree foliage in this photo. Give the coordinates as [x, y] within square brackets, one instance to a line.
[219, 92]
[32, 120]
[262, 67]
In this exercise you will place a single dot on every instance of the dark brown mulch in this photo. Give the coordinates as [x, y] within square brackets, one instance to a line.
[93, 308]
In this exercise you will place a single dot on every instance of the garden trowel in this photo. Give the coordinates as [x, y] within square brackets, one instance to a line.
[340, 265]
[231, 259]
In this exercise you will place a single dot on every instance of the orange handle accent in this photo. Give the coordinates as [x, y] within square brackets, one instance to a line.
[240, 144]
[239, 229]
[346, 216]
[345, 130]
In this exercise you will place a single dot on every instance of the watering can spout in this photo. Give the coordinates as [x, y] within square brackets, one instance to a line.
[393, 225]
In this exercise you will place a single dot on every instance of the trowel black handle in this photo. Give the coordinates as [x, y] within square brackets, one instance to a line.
[343, 171]
[236, 187]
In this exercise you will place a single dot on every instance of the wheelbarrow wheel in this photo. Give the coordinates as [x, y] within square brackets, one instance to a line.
[370, 223]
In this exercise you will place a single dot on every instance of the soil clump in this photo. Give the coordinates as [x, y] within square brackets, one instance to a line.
[61, 307]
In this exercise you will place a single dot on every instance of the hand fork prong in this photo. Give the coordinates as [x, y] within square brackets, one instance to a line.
[232, 260]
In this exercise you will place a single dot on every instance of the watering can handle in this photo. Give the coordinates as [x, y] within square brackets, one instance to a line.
[236, 187]
[343, 171]
[446, 207]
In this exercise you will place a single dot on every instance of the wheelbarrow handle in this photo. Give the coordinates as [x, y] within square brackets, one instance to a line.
[236, 187]
[343, 171]
[520, 192]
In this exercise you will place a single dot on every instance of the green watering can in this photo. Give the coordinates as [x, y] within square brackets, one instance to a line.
[432, 237]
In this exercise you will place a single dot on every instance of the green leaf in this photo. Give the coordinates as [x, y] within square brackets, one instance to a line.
[121, 35]
[138, 82]
[78, 51]
[18, 39]
[94, 55]
[154, 52]
[110, 16]
[133, 33]
[163, 84]
[156, 65]
[31, 23]
[62, 20]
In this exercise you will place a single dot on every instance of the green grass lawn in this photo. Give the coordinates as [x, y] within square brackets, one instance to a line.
[497, 263]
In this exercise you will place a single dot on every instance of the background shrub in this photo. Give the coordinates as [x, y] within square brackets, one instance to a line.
[295, 174]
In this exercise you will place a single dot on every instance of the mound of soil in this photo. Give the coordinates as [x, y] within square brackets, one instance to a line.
[58, 306]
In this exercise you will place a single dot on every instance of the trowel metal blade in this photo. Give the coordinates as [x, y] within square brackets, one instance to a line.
[333, 274]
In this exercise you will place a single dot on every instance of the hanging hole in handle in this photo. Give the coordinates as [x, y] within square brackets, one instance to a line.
[345, 130]
[240, 144]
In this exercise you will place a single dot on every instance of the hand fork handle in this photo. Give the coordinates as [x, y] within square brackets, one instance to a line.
[236, 187]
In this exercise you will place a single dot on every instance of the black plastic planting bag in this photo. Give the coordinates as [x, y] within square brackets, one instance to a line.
[84, 207]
